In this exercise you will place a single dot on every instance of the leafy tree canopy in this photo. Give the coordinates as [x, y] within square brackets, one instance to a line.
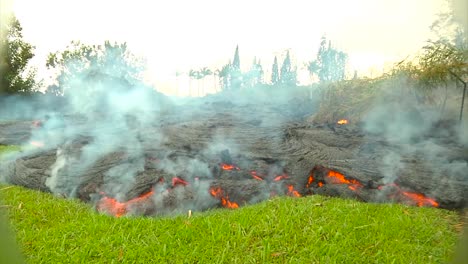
[15, 54]
[83, 63]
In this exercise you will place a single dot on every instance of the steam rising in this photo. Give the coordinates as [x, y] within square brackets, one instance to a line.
[417, 133]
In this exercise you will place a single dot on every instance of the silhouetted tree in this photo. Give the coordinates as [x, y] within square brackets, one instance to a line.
[225, 76]
[330, 63]
[274, 73]
[287, 74]
[235, 72]
[111, 62]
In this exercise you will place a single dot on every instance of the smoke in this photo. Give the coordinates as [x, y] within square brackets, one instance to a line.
[460, 13]
[417, 135]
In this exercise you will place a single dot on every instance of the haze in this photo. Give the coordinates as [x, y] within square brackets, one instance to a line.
[176, 36]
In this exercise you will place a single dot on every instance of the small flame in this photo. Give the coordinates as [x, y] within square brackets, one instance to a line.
[218, 193]
[292, 192]
[320, 184]
[281, 177]
[256, 176]
[118, 209]
[342, 122]
[228, 167]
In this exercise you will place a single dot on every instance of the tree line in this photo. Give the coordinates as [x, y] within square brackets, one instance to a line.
[80, 62]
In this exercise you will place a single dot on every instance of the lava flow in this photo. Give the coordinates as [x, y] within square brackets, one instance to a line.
[292, 192]
[417, 198]
[229, 167]
[218, 193]
[256, 176]
[178, 181]
[118, 209]
[338, 178]
[281, 177]
[420, 199]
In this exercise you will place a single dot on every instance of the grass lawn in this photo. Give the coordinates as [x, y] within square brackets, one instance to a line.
[313, 229]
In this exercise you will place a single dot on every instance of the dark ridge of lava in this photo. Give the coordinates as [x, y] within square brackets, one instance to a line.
[269, 159]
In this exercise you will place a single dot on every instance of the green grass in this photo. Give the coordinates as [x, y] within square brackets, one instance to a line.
[6, 149]
[314, 229]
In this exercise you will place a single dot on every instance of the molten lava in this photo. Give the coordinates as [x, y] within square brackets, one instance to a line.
[281, 177]
[342, 122]
[178, 181]
[229, 167]
[292, 192]
[118, 209]
[338, 178]
[420, 199]
[310, 180]
[256, 176]
[218, 193]
[417, 198]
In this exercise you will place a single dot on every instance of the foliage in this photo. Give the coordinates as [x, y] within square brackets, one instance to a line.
[440, 64]
[347, 99]
[224, 76]
[437, 64]
[254, 76]
[288, 76]
[200, 75]
[313, 229]
[275, 72]
[235, 72]
[330, 63]
[81, 63]
[15, 54]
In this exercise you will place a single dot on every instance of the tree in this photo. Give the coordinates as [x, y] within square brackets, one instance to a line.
[225, 76]
[254, 76]
[235, 72]
[330, 64]
[287, 75]
[111, 62]
[204, 72]
[15, 54]
[441, 63]
[274, 72]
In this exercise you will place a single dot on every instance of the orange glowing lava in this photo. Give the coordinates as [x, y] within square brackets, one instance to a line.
[228, 167]
[342, 122]
[178, 181]
[218, 193]
[421, 199]
[281, 177]
[310, 180]
[118, 209]
[292, 192]
[256, 176]
[338, 178]
[418, 198]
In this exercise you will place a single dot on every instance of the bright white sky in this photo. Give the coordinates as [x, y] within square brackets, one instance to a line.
[180, 35]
